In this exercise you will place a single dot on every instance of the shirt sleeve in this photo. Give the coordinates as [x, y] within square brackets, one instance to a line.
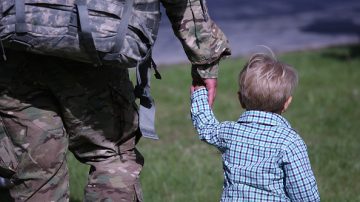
[203, 41]
[203, 118]
[300, 183]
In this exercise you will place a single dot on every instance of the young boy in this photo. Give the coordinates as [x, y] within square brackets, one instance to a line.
[264, 159]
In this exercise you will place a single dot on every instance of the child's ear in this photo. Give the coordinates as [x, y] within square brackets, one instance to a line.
[240, 99]
[287, 103]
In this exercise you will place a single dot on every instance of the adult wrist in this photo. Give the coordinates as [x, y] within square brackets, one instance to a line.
[210, 71]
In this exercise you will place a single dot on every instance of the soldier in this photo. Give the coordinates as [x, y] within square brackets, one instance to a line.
[50, 104]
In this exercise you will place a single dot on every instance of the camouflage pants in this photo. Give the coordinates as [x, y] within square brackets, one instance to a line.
[48, 105]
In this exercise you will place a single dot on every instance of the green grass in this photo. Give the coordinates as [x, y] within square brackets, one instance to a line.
[325, 111]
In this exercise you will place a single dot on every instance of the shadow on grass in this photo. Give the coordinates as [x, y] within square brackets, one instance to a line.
[352, 52]
[337, 26]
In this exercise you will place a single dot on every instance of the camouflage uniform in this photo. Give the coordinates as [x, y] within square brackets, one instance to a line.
[48, 105]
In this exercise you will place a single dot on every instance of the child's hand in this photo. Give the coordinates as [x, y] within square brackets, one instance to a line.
[197, 83]
[194, 88]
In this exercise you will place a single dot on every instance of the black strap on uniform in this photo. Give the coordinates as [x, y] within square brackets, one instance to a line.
[73, 24]
[86, 39]
[19, 41]
[20, 25]
[122, 30]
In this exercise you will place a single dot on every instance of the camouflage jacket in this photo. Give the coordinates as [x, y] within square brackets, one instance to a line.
[203, 41]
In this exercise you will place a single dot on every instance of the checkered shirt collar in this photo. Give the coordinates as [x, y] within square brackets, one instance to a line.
[262, 117]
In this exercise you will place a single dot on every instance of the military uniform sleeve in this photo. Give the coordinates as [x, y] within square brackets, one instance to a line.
[203, 41]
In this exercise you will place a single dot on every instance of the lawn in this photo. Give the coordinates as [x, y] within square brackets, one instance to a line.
[325, 111]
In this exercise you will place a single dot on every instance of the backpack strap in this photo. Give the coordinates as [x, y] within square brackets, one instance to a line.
[20, 40]
[147, 104]
[85, 36]
[20, 26]
[121, 32]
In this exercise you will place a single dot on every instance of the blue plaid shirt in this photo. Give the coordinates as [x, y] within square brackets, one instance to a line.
[264, 159]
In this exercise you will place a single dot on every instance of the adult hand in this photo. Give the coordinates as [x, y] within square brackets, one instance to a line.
[210, 84]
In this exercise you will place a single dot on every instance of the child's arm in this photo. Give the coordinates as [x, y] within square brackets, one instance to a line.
[203, 118]
[300, 183]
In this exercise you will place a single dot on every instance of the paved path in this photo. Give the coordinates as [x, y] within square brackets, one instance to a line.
[283, 25]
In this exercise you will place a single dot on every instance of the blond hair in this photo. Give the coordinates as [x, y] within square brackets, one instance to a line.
[265, 83]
